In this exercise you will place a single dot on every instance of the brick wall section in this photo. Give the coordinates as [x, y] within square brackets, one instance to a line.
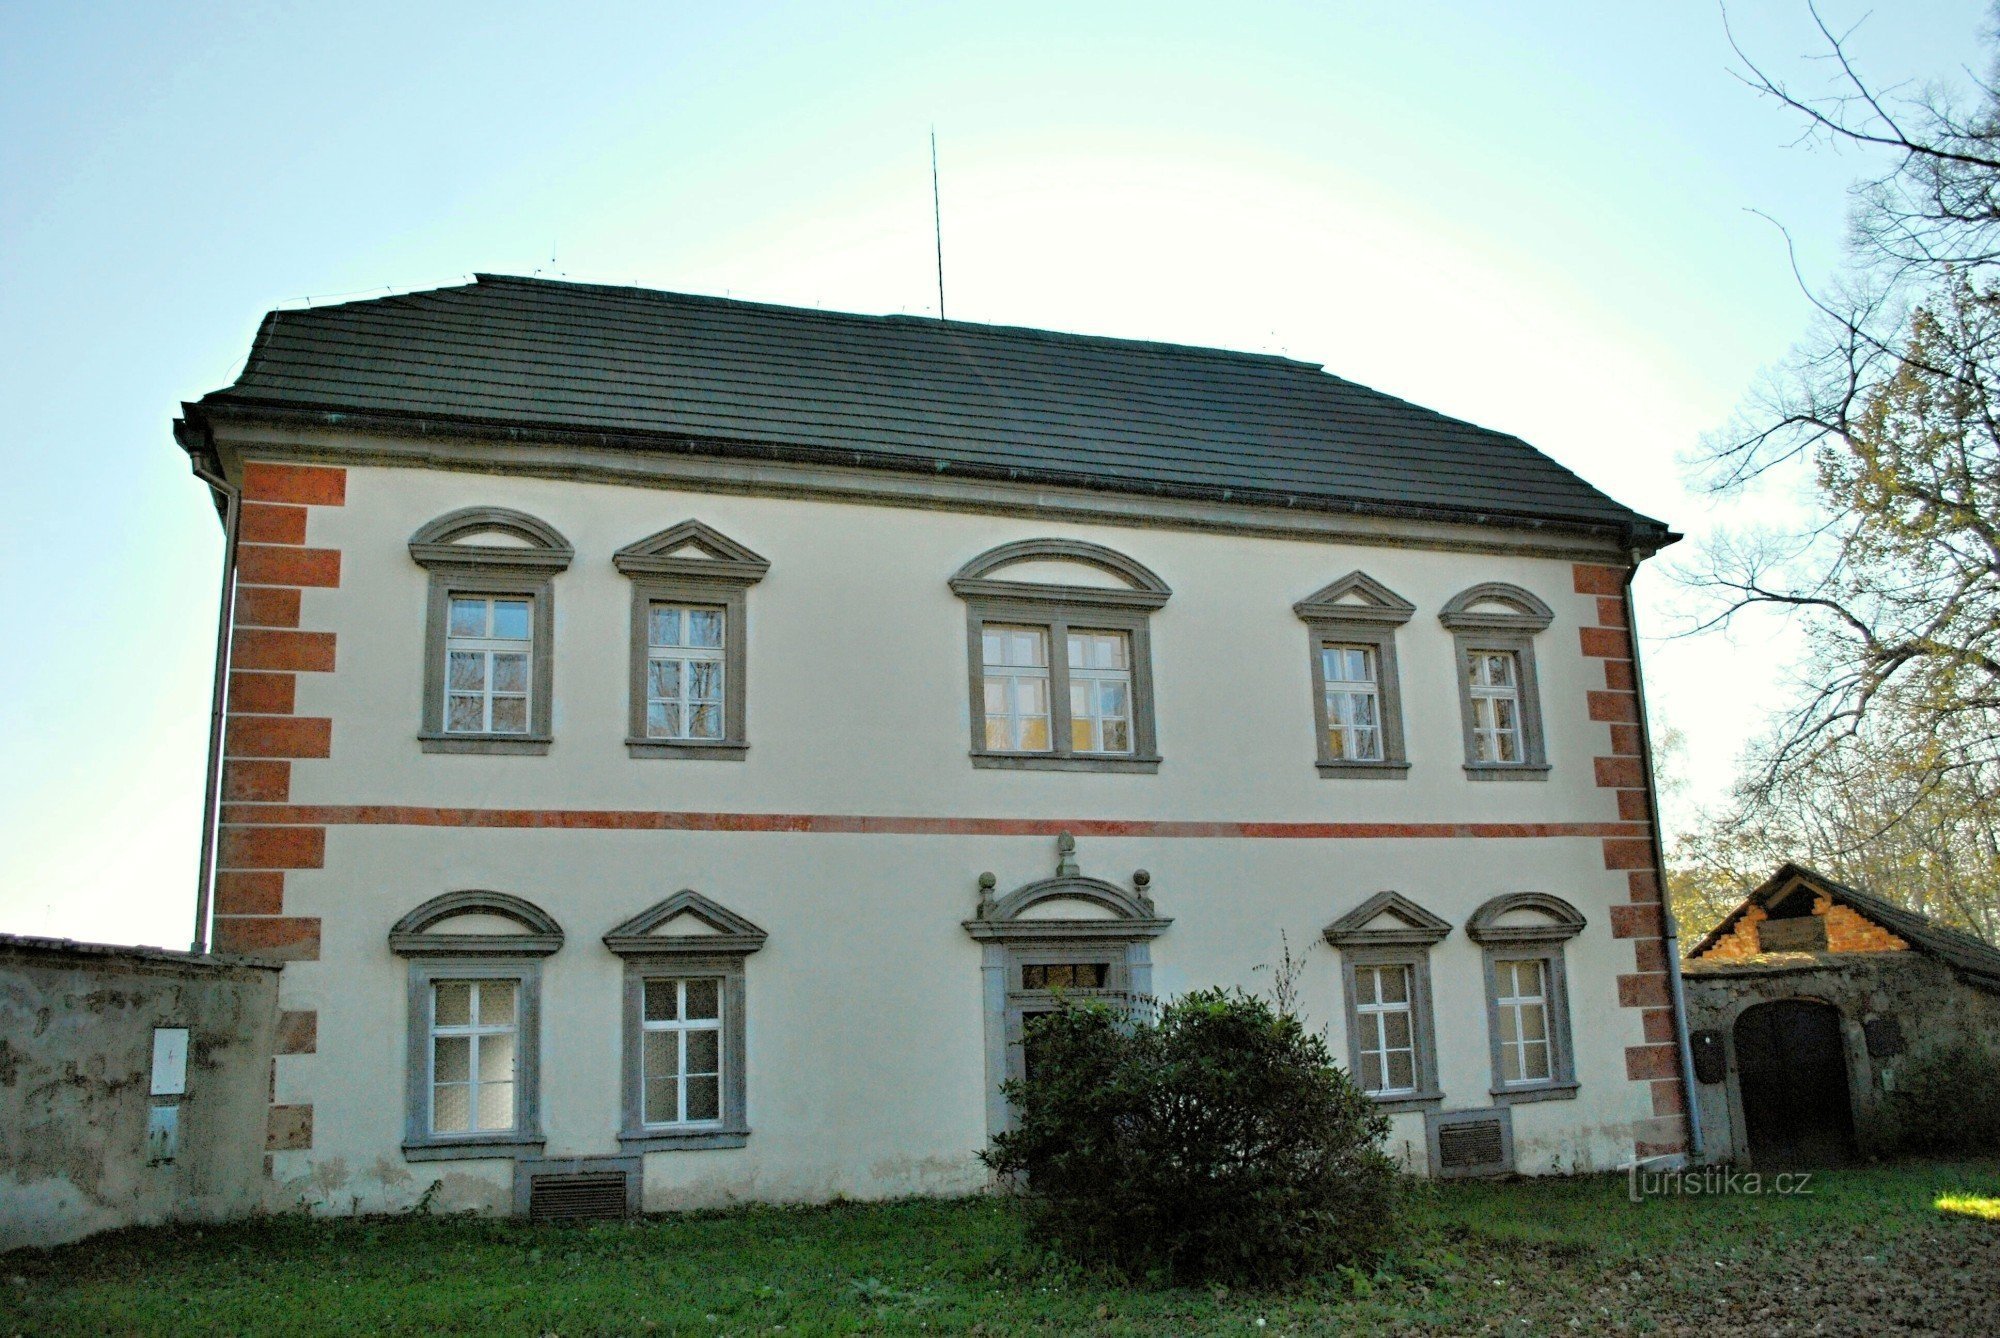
[264, 736]
[1847, 930]
[1606, 636]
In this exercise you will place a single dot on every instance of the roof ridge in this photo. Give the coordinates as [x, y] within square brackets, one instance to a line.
[904, 319]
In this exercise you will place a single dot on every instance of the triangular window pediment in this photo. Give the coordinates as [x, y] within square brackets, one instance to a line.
[692, 550]
[1384, 920]
[1356, 597]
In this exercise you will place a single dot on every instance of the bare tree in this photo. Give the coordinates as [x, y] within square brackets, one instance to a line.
[1891, 407]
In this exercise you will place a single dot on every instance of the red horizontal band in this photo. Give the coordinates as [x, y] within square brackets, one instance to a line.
[386, 815]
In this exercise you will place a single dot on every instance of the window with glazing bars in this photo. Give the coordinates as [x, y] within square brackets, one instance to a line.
[1522, 1011]
[1353, 703]
[473, 1051]
[488, 645]
[1100, 692]
[682, 1056]
[1017, 688]
[1382, 1012]
[1494, 678]
[684, 671]
[1021, 715]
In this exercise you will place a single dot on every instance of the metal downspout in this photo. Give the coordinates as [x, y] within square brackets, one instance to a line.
[1671, 930]
[232, 501]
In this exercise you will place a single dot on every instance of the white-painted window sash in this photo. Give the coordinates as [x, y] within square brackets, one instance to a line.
[1088, 689]
[680, 706]
[1021, 685]
[476, 1033]
[1353, 705]
[680, 1027]
[1495, 689]
[1530, 1047]
[1372, 1015]
[484, 649]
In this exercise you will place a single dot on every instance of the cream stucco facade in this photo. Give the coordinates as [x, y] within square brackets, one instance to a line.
[866, 1070]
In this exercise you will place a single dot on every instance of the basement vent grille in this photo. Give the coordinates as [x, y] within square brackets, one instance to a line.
[1470, 1142]
[1464, 1146]
[562, 1198]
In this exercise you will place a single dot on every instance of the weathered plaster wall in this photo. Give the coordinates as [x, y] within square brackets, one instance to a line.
[76, 1051]
[1935, 1008]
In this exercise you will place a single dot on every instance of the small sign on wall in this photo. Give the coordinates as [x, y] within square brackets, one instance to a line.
[163, 1132]
[170, 1061]
[169, 1089]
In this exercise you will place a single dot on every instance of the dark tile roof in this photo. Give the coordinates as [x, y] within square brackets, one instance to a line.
[710, 375]
[1970, 956]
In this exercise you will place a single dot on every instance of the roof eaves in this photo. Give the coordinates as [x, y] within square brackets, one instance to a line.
[228, 403]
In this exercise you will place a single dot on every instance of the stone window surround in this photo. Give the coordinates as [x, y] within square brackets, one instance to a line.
[1486, 629]
[1010, 938]
[1330, 618]
[489, 569]
[440, 956]
[1057, 608]
[1539, 942]
[1407, 943]
[649, 956]
[721, 579]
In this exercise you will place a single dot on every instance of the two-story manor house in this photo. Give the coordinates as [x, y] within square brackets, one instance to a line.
[677, 741]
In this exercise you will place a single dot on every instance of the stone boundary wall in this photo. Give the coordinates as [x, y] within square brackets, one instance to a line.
[76, 1079]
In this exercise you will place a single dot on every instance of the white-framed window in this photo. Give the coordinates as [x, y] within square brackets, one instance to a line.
[1353, 703]
[1100, 692]
[489, 647]
[686, 668]
[474, 1052]
[1383, 1014]
[1016, 667]
[1521, 1014]
[1493, 683]
[681, 1052]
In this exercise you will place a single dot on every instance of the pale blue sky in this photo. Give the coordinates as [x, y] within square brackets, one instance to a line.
[1531, 215]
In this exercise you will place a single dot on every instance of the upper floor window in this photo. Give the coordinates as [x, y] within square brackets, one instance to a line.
[489, 663]
[1493, 629]
[686, 671]
[1357, 699]
[1061, 670]
[690, 634]
[487, 651]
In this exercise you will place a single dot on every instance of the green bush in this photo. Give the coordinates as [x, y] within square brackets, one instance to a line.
[1947, 1099]
[1219, 1142]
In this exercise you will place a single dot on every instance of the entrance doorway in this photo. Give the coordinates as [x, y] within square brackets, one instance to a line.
[1792, 1072]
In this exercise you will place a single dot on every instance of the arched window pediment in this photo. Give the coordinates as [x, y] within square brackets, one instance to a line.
[1140, 588]
[1495, 606]
[1536, 917]
[1355, 597]
[450, 540]
[1132, 915]
[724, 931]
[417, 934]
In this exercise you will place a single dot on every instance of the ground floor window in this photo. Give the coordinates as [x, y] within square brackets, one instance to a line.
[1387, 1046]
[687, 1002]
[682, 1054]
[475, 1046]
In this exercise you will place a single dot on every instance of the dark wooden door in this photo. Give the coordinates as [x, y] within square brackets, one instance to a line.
[1792, 1069]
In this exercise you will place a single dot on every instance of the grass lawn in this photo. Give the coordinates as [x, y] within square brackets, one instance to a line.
[1903, 1247]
